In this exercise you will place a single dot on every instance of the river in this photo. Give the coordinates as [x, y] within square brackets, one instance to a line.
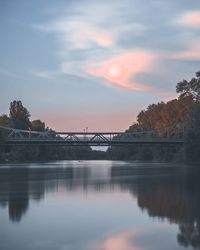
[99, 205]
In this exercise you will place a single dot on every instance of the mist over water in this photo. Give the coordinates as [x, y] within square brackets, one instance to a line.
[99, 205]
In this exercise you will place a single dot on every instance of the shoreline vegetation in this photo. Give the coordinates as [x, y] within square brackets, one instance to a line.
[178, 114]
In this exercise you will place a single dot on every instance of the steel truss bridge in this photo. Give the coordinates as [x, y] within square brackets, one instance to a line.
[14, 137]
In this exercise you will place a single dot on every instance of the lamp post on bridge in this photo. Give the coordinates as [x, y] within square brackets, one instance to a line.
[85, 130]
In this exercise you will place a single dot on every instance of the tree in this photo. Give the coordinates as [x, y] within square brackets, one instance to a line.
[19, 115]
[166, 118]
[1, 145]
[190, 88]
[5, 121]
[37, 125]
[192, 140]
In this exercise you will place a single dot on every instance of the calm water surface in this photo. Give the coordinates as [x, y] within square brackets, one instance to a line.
[99, 205]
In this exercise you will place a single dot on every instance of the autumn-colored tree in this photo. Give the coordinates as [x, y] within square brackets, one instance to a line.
[37, 125]
[4, 121]
[149, 118]
[165, 118]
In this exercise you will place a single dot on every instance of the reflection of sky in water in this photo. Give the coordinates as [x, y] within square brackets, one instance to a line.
[98, 206]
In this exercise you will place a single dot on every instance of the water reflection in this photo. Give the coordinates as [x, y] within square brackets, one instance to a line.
[122, 241]
[19, 185]
[170, 193]
[166, 192]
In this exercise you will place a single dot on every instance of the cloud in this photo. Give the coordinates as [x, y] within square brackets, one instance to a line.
[191, 19]
[43, 74]
[119, 71]
[191, 54]
[79, 34]
[120, 46]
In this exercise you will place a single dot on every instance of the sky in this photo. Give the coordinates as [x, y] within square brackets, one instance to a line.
[96, 64]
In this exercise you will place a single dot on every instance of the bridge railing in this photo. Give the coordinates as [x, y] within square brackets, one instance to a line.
[11, 133]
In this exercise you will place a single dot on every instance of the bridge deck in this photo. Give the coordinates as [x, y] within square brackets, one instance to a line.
[93, 143]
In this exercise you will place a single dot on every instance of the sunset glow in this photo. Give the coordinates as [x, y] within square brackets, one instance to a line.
[120, 70]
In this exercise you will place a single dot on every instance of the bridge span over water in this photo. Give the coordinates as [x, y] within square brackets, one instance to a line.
[17, 137]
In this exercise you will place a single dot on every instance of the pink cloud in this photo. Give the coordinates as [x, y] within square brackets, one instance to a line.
[82, 35]
[193, 53]
[79, 34]
[99, 37]
[119, 71]
[191, 19]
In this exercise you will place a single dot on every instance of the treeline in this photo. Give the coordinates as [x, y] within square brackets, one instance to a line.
[19, 118]
[178, 117]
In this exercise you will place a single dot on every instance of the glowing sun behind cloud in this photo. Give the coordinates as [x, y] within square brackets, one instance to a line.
[120, 70]
[115, 71]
